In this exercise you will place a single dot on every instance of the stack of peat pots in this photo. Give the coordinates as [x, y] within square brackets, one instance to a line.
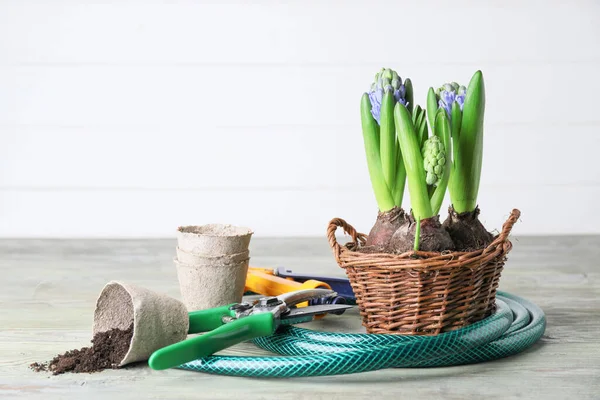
[212, 263]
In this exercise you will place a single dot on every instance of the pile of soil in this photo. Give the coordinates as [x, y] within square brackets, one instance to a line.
[107, 351]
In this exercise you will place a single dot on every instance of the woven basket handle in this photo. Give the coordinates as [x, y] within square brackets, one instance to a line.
[506, 228]
[349, 230]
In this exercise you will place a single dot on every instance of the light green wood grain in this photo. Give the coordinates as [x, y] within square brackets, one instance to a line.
[48, 289]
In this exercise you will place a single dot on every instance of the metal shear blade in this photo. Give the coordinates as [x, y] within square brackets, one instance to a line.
[306, 314]
[300, 296]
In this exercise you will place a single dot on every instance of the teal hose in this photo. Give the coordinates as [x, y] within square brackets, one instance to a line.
[514, 326]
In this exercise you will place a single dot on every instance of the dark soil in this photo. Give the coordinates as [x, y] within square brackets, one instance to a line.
[386, 224]
[39, 367]
[466, 231]
[107, 351]
[434, 238]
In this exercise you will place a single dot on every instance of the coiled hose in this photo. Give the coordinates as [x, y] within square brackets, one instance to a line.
[514, 326]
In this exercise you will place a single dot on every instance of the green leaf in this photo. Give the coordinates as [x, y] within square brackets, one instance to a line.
[413, 162]
[409, 94]
[455, 126]
[445, 131]
[418, 117]
[421, 126]
[423, 131]
[398, 192]
[442, 131]
[417, 235]
[370, 130]
[456, 121]
[467, 167]
[387, 145]
[432, 107]
[415, 114]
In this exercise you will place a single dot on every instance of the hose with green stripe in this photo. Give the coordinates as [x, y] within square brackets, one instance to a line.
[514, 326]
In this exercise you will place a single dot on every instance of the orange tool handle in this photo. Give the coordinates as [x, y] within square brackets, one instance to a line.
[262, 282]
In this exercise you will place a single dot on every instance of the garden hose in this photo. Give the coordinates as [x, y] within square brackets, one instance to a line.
[514, 326]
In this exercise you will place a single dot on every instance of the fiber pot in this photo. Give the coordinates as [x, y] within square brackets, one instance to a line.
[198, 259]
[211, 285]
[213, 239]
[158, 320]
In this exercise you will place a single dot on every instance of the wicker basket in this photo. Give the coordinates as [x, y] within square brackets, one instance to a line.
[421, 293]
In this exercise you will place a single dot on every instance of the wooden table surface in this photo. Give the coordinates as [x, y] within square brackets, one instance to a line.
[48, 289]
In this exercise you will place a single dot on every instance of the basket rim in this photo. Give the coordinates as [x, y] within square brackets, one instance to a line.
[347, 257]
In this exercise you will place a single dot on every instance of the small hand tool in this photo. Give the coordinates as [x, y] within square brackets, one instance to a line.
[270, 282]
[340, 285]
[236, 323]
[264, 281]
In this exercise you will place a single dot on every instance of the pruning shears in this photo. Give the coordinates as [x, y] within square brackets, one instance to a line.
[235, 323]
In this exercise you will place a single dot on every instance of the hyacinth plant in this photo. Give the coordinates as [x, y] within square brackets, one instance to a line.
[467, 136]
[427, 161]
[465, 109]
[398, 147]
[384, 158]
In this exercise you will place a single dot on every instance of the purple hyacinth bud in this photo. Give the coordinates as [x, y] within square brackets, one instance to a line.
[400, 99]
[460, 99]
[400, 94]
[386, 80]
[447, 97]
[376, 97]
[450, 93]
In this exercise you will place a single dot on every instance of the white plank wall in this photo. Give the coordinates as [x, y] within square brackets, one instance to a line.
[129, 118]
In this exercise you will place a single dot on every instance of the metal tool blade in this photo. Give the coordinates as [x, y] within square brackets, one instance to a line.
[299, 296]
[305, 314]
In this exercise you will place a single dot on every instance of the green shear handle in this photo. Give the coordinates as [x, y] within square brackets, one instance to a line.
[235, 323]
[218, 337]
